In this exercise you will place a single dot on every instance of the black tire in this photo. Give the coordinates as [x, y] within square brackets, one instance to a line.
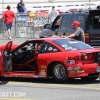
[1, 77]
[59, 73]
[89, 78]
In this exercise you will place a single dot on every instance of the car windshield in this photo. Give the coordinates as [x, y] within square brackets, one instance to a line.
[71, 44]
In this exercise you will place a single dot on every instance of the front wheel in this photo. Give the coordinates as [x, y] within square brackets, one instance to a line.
[59, 73]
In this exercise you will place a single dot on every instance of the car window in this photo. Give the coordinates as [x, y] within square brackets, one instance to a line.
[31, 46]
[71, 44]
[95, 21]
[79, 17]
[28, 48]
[57, 22]
[49, 48]
[66, 22]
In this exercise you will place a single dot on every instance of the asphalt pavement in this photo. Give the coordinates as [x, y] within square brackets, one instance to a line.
[15, 38]
[46, 89]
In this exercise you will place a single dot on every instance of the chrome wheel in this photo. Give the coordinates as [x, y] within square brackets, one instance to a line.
[59, 72]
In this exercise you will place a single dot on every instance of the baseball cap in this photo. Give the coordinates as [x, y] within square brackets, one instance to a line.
[76, 23]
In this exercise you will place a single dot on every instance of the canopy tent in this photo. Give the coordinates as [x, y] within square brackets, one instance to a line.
[45, 1]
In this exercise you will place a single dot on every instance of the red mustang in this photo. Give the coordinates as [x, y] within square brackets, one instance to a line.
[58, 58]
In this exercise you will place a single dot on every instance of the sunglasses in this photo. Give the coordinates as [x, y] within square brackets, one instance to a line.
[73, 25]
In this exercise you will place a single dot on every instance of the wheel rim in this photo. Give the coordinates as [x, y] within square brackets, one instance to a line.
[60, 71]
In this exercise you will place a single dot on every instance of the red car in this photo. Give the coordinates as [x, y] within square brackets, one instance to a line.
[58, 58]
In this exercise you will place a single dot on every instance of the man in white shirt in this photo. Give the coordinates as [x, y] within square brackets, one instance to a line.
[52, 14]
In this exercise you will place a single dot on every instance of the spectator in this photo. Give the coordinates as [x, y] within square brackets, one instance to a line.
[79, 33]
[52, 14]
[8, 18]
[21, 6]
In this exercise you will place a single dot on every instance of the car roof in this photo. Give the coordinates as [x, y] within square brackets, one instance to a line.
[47, 39]
[82, 12]
[75, 12]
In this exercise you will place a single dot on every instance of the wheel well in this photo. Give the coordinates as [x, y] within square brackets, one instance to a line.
[50, 66]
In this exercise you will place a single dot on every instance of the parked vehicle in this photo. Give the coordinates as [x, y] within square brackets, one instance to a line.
[58, 58]
[90, 22]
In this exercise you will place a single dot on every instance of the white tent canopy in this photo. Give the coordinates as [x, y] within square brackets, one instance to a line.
[14, 1]
[46, 1]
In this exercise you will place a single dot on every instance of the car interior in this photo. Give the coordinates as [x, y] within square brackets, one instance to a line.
[24, 58]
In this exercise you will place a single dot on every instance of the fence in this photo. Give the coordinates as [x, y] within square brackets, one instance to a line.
[29, 24]
[2, 26]
[26, 24]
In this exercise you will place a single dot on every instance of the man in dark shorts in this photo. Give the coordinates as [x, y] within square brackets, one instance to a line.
[21, 6]
[8, 18]
[79, 33]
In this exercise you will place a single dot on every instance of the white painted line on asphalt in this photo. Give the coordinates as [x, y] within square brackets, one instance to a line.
[14, 99]
[55, 85]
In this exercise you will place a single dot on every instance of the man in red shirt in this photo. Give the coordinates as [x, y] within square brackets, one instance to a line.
[8, 17]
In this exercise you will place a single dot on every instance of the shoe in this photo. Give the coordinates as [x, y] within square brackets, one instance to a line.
[9, 38]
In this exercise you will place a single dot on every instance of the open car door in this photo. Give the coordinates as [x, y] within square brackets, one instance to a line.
[7, 57]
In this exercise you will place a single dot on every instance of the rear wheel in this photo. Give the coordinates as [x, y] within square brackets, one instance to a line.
[59, 73]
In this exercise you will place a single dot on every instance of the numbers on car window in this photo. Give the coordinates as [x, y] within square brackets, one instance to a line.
[81, 18]
[48, 48]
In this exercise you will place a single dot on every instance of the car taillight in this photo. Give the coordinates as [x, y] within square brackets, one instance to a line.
[87, 40]
[78, 57]
[74, 59]
[90, 56]
[87, 57]
[83, 58]
[84, 55]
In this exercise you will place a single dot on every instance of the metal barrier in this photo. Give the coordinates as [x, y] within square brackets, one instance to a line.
[21, 24]
[2, 27]
[28, 24]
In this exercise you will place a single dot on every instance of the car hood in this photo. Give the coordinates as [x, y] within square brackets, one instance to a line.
[45, 32]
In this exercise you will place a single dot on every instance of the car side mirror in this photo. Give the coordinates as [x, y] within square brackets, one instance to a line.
[56, 26]
[47, 26]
